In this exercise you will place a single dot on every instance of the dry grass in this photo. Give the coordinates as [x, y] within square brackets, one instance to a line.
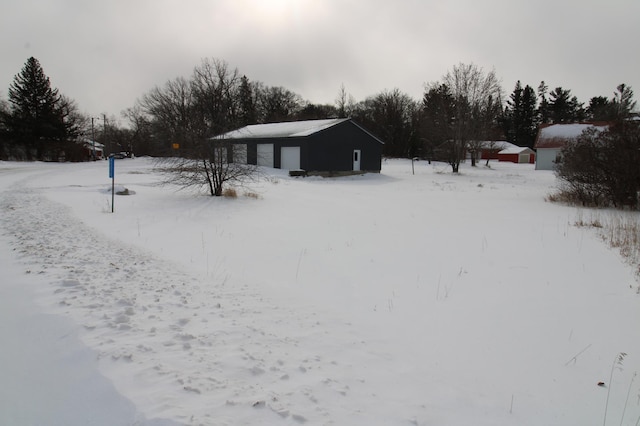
[253, 195]
[230, 193]
[233, 193]
[592, 222]
[620, 230]
[575, 198]
[623, 232]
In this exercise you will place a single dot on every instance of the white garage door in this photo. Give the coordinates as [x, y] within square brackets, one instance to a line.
[265, 154]
[290, 158]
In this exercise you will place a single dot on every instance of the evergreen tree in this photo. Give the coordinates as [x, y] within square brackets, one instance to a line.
[438, 112]
[600, 109]
[617, 108]
[563, 107]
[623, 103]
[543, 108]
[521, 122]
[529, 128]
[248, 112]
[4, 134]
[36, 117]
[513, 106]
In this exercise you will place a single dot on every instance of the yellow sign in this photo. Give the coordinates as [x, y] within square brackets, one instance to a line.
[176, 146]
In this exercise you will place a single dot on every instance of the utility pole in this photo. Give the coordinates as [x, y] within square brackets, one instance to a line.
[104, 132]
[93, 139]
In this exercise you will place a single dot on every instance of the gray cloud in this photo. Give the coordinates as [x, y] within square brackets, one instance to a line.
[106, 54]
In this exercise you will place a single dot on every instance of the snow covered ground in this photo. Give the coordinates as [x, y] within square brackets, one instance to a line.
[391, 299]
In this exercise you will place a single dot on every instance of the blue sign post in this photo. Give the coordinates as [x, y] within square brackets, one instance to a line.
[112, 175]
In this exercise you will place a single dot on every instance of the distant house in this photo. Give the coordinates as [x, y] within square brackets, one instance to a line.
[553, 137]
[490, 149]
[517, 154]
[93, 150]
[506, 151]
[333, 146]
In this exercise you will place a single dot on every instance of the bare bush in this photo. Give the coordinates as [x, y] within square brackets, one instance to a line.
[211, 171]
[600, 168]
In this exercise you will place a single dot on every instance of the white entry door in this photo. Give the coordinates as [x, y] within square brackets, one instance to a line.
[265, 154]
[290, 158]
[356, 160]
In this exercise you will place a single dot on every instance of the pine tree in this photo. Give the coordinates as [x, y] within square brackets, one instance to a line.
[600, 109]
[543, 109]
[35, 120]
[529, 120]
[521, 122]
[4, 134]
[248, 112]
[511, 113]
[623, 103]
[438, 111]
[619, 107]
[563, 107]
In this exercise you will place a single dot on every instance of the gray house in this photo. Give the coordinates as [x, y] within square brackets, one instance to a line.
[333, 146]
[553, 137]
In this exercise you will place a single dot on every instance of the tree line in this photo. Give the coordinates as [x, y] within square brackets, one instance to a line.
[457, 114]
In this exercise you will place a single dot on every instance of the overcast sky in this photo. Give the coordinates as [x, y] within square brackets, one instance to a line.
[106, 54]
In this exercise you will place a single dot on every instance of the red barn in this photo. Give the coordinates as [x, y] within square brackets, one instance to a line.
[517, 154]
[489, 149]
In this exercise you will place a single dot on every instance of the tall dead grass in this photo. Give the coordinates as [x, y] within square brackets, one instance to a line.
[620, 230]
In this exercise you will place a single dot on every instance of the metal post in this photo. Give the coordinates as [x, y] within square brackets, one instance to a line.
[112, 175]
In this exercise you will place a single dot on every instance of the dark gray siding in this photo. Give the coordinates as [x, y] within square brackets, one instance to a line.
[330, 150]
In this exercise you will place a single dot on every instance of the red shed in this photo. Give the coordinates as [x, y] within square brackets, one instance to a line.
[517, 154]
[489, 149]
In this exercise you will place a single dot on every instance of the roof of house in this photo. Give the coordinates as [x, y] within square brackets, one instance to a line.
[557, 135]
[290, 129]
[496, 145]
[90, 143]
[516, 150]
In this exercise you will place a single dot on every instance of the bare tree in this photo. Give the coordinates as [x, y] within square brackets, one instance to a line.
[394, 116]
[140, 125]
[171, 109]
[190, 114]
[279, 104]
[345, 103]
[477, 100]
[216, 89]
[212, 169]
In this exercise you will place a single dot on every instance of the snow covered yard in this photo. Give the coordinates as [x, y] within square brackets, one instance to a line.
[391, 299]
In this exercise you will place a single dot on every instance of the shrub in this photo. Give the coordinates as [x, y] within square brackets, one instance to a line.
[600, 168]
